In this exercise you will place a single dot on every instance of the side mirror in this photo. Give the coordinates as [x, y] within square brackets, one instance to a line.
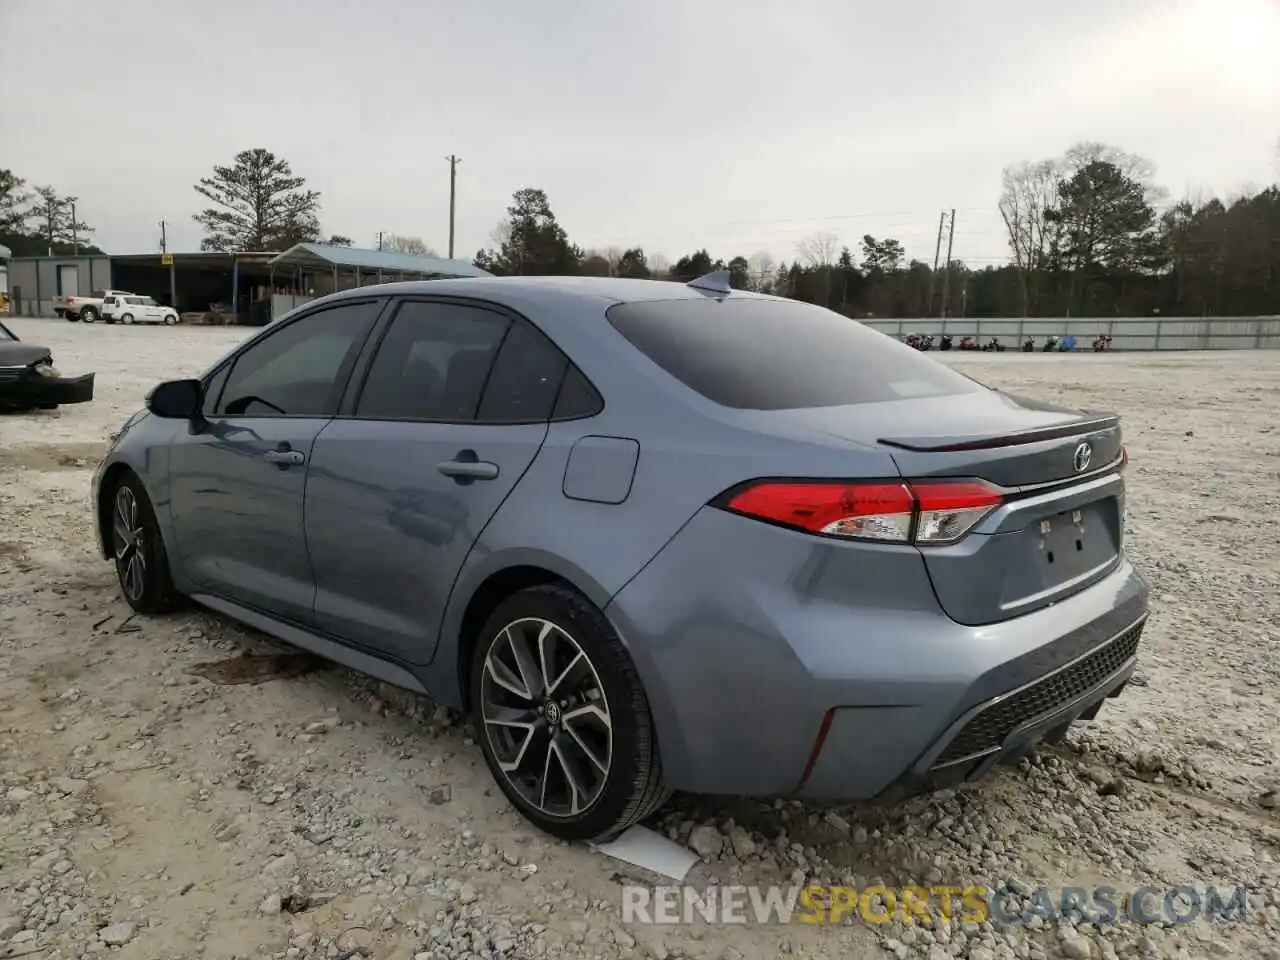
[177, 399]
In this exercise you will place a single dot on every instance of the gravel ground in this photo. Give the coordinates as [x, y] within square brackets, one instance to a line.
[148, 813]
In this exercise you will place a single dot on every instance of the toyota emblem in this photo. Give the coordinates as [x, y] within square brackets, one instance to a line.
[1083, 454]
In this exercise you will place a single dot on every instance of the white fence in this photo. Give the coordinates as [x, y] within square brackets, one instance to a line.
[1127, 333]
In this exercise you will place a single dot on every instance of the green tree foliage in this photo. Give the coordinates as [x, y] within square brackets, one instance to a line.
[695, 265]
[259, 204]
[739, 273]
[633, 263]
[33, 222]
[1104, 220]
[530, 242]
[15, 203]
[54, 217]
[881, 257]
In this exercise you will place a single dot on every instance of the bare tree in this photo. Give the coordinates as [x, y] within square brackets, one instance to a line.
[762, 268]
[819, 250]
[415, 246]
[660, 265]
[614, 256]
[1028, 198]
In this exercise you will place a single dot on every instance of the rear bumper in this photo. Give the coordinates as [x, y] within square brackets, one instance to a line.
[35, 389]
[781, 665]
[1004, 728]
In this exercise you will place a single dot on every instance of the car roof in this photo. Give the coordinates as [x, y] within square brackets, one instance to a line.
[602, 291]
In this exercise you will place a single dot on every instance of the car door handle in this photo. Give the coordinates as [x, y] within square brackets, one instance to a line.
[284, 458]
[466, 466]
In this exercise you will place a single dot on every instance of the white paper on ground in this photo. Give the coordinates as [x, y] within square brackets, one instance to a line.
[642, 847]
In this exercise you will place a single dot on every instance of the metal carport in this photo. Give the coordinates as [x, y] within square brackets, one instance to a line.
[309, 270]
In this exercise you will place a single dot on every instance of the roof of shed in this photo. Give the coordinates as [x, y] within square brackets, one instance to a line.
[325, 256]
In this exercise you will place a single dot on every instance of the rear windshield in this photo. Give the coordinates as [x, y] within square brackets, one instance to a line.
[780, 354]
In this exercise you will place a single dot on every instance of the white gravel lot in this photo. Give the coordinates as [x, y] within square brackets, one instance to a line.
[148, 813]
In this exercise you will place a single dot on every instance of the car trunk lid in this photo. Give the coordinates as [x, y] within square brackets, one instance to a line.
[1060, 528]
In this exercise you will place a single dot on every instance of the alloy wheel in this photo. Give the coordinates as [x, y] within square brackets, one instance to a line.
[129, 540]
[546, 717]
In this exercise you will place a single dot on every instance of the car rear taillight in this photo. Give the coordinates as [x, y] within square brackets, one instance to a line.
[923, 512]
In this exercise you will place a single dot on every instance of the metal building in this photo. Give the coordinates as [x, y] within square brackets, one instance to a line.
[249, 287]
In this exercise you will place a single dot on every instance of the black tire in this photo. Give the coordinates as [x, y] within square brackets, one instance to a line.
[47, 406]
[632, 787]
[88, 315]
[136, 534]
[127, 318]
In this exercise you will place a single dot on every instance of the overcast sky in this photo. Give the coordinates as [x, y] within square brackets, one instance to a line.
[739, 126]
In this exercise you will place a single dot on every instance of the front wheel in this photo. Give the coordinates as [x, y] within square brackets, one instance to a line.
[170, 319]
[127, 318]
[562, 718]
[142, 565]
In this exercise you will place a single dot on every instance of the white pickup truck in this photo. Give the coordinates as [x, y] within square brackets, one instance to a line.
[87, 308]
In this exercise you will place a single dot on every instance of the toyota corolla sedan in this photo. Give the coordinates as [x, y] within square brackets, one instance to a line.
[651, 536]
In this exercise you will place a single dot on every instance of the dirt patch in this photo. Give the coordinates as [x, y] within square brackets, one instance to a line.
[255, 668]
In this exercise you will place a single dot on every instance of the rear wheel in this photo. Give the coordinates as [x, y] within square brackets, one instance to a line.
[562, 718]
[88, 314]
[142, 565]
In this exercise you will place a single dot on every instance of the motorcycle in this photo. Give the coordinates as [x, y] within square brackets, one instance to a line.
[945, 343]
[1102, 344]
[1029, 345]
[968, 343]
[1051, 344]
[994, 345]
[926, 342]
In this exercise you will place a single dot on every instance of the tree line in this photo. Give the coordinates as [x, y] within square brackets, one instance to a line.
[36, 220]
[1090, 233]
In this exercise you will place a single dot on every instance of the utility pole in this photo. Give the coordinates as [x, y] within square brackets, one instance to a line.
[379, 241]
[75, 235]
[50, 211]
[937, 252]
[453, 195]
[173, 278]
[946, 277]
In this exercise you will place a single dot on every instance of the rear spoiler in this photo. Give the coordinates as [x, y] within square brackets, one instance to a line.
[1106, 421]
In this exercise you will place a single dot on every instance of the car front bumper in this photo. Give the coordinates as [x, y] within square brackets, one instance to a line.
[773, 670]
[33, 389]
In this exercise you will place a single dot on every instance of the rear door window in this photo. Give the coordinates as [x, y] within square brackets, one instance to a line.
[756, 354]
[525, 378]
[433, 363]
